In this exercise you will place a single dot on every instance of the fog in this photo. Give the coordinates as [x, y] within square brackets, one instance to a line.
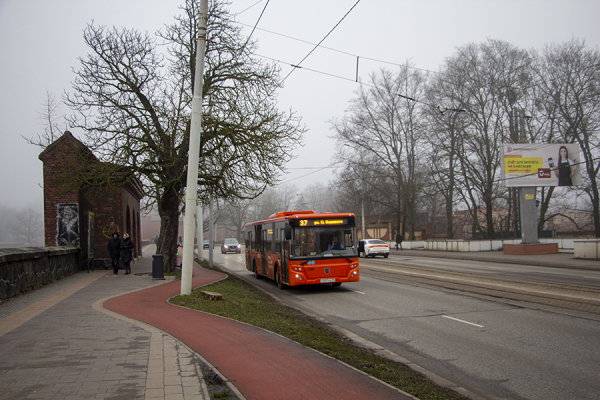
[41, 40]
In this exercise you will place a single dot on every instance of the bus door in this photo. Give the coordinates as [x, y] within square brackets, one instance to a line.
[263, 250]
[249, 249]
[284, 256]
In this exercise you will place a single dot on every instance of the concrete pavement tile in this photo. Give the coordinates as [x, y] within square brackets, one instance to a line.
[154, 381]
[173, 380]
[174, 397]
[175, 389]
[155, 393]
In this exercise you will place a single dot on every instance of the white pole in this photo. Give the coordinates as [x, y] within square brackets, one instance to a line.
[200, 230]
[210, 232]
[193, 156]
[362, 211]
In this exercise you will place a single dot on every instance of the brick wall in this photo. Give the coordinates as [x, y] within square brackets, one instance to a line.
[60, 162]
[23, 270]
[115, 208]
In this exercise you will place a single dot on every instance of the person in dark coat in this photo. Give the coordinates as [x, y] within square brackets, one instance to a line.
[126, 252]
[114, 250]
[398, 240]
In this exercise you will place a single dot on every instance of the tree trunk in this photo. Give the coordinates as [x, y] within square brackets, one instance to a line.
[595, 205]
[168, 209]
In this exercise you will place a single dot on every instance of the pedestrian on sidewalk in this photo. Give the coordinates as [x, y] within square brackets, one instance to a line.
[126, 252]
[398, 240]
[114, 251]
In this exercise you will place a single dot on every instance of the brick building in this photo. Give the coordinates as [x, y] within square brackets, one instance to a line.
[70, 208]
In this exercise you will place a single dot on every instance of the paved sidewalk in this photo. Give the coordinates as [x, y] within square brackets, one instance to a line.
[57, 342]
[99, 336]
[65, 341]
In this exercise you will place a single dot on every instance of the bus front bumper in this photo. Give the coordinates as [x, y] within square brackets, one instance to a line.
[299, 278]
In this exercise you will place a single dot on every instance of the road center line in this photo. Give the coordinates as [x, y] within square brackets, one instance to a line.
[357, 291]
[464, 322]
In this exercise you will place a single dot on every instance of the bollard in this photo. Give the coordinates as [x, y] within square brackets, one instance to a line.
[157, 266]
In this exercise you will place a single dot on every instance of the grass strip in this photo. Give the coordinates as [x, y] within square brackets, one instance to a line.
[243, 302]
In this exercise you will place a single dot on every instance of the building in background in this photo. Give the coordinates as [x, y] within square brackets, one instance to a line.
[78, 213]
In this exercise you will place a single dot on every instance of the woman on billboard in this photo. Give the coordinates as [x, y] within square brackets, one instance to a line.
[565, 168]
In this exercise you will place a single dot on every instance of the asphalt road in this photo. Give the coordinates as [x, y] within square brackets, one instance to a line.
[491, 346]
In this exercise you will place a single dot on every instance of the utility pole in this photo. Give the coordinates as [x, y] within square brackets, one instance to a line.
[200, 230]
[210, 232]
[194, 156]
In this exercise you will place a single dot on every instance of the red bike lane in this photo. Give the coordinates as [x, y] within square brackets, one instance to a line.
[261, 364]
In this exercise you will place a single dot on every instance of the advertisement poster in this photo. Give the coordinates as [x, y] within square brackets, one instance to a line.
[527, 165]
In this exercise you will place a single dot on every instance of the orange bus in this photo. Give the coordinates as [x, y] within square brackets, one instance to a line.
[303, 248]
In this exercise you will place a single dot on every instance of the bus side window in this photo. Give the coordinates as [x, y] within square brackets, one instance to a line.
[278, 237]
[257, 237]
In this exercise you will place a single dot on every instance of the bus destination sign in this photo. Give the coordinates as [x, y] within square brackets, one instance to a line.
[323, 222]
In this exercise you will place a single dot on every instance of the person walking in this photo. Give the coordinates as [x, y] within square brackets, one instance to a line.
[114, 251]
[126, 252]
[398, 240]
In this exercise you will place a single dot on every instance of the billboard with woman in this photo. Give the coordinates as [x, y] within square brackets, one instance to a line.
[527, 164]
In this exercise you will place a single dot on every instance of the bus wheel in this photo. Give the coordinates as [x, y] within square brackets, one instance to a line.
[336, 284]
[256, 274]
[280, 284]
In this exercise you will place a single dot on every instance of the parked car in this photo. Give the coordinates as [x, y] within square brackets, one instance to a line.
[206, 244]
[231, 245]
[373, 247]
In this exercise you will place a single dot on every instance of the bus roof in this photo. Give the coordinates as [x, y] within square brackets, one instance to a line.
[306, 214]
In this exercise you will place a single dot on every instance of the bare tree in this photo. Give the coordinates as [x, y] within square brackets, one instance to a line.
[7, 220]
[132, 102]
[28, 227]
[485, 81]
[569, 80]
[447, 126]
[316, 196]
[235, 213]
[53, 123]
[383, 121]
[280, 198]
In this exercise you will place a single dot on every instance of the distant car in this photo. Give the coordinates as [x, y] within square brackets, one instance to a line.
[206, 244]
[373, 247]
[231, 245]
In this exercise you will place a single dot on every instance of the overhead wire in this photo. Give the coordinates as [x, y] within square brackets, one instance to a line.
[338, 51]
[313, 172]
[442, 110]
[257, 21]
[318, 44]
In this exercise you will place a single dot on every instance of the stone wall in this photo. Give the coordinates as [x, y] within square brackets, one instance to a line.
[28, 268]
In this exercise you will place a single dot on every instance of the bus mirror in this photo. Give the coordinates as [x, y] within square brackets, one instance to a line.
[288, 232]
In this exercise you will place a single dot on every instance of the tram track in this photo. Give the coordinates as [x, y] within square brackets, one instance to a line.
[583, 301]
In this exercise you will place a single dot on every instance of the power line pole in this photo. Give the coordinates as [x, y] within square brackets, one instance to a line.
[194, 156]
[200, 230]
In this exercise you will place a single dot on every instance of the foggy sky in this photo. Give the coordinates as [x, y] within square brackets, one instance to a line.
[40, 41]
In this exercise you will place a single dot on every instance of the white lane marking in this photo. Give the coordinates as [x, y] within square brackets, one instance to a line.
[464, 322]
[357, 291]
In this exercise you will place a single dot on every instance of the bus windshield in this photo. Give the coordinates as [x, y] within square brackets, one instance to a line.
[323, 242]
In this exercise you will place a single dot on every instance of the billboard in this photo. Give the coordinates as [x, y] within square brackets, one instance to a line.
[539, 164]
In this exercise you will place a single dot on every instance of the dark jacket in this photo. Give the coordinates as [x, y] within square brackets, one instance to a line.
[114, 246]
[398, 238]
[126, 250]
